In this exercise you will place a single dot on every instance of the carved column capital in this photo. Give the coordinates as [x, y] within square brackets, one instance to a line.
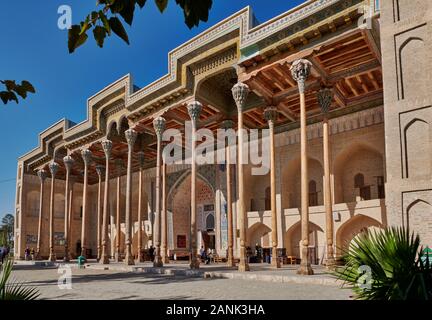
[99, 170]
[42, 175]
[300, 71]
[325, 98]
[271, 114]
[86, 155]
[141, 158]
[227, 124]
[194, 109]
[107, 147]
[240, 92]
[53, 167]
[68, 162]
[131, 136]
[159, 126]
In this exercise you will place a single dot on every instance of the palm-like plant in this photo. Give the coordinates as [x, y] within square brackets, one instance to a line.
[387, 265]
[12, 290]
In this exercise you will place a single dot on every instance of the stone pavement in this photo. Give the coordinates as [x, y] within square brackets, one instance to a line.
[259, 272]
[117, 281]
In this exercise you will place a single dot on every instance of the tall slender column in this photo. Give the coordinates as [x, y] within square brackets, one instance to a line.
[68, 162]
[240, 92]
[140, 205]
[86, 155]
[42, 176]
[325, 98]
[53, 166]
[194, 110]
[107, 147]
[270, 114]
[99, 171]
[164, 218]
[117, 255]
[131, 136]
[70, 212]
[229, 124]
[300, 71]
[159, 126]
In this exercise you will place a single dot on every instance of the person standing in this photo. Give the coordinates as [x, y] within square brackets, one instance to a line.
[151, 253]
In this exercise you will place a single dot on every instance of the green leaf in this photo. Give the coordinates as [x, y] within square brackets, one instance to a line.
[195, 11]
[85, 25]
[127, 12]
[99, 34]
[162, 4]
[75, 39]
[118, 29]
[21, 92]
[4, 96]
[94, 15]
[141, 3]
[10, 85]
[116, 6]
[28, 86]
[105, 22]
[8, 96]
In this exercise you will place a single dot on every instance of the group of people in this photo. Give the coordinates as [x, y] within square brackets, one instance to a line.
[29, 254]
[4, 252]
[206, 255]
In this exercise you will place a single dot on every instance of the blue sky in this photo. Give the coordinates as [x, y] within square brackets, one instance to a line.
[33, 48]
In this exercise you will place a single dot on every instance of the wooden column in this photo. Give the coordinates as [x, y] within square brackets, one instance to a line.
[117, 255]
[140, 206]
[325, 98]
[164, 220]
[42, 176]
[194, 110]
[270, 114]
[70, 212]
[159, 127]
[300, 71]
[229, 124]
[240, 92]
[107, 147]
[131, 136]
[53, 167]
[86, 155]
[68, 162]
[99, 171]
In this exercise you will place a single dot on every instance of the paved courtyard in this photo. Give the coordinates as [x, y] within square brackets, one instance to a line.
[92, 283]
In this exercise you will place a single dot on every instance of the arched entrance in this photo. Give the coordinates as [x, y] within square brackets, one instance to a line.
[179, 200]
[347, 231]
[316, 242]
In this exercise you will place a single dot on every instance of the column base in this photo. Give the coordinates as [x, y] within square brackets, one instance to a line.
[275, 263]
[243, 267]
[52, 257]
[195, 263]
[158, 263]
[330, 263]
[129, 260]
[117, 257]
[83, 252]
[231, 262]
[305, 269]
[104, 260]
